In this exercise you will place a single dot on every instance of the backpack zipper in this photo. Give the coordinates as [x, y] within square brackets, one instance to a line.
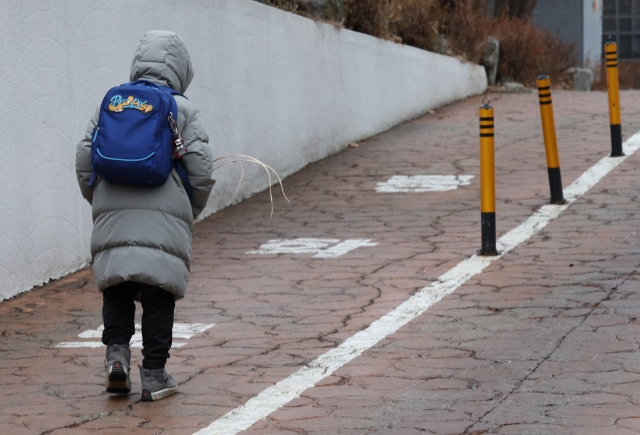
[95, 135]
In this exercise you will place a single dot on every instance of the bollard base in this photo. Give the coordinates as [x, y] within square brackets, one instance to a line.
[555, 185]
[616, 140]
[488, 225]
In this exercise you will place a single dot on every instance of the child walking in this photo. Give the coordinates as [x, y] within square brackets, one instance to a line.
[141, 239]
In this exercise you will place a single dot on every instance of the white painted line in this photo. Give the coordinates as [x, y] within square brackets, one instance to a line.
[95, 344]
[180, 331]
[423, 183]
[344, 247]
[294, 246]
[276, 396]
[312, 246]
[79, 344]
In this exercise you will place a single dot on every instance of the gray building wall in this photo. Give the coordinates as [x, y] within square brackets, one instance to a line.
[577, 21]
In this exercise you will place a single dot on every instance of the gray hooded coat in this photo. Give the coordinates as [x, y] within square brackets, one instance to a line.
[144, 234]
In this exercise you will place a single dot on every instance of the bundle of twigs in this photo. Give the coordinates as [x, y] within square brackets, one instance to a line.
[236, 159]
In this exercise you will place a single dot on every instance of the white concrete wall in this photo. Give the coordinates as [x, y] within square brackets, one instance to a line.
[279, 87]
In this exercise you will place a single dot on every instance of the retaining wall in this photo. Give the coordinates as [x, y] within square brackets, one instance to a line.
[279, 87]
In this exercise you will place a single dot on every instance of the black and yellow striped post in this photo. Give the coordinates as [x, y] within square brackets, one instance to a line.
[550, 142]
[487, 181]
[613, 86]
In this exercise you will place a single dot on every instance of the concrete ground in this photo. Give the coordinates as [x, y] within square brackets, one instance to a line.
[543, 341]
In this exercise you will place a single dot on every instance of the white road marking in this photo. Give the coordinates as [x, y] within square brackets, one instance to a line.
[276, 396]
[423, 183]
[344, 247]
[78, 344]
[311, 246]
[180, 331]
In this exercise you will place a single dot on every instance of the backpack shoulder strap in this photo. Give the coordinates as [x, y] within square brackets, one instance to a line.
[185, 180]
[176, 162]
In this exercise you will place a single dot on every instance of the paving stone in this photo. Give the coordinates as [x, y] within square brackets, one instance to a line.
[16, 430]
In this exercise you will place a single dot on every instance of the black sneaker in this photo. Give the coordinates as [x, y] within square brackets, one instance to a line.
[156, 384]
[117, 367]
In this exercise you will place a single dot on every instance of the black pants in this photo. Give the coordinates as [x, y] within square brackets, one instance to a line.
[118, 312]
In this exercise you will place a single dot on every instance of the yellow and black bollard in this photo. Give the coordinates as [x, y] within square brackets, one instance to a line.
[550, 142]
[487, 181]
[613, 86]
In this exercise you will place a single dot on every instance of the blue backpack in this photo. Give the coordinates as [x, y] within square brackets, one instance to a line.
[136, 141]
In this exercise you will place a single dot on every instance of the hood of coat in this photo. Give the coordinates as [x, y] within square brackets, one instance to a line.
[162, 58]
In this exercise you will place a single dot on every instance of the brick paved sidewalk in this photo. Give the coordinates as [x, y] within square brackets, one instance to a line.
[542, 341]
